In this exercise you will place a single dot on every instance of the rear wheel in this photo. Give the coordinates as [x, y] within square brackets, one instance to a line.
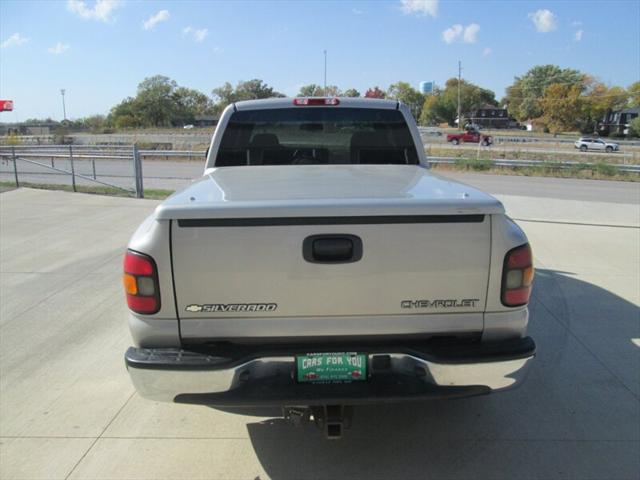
[583, 148]
[455, 141]
[485, 143]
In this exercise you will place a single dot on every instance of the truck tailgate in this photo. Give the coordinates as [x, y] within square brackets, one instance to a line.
[240, 240]
[432, 267]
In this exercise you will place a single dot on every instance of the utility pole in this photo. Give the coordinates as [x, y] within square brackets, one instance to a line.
[459, 79]
[325, 73]
[64, 109]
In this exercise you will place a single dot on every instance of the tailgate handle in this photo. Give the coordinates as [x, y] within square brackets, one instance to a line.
[332, 248]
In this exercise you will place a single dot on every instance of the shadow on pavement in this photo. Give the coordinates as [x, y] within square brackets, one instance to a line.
[576, 415]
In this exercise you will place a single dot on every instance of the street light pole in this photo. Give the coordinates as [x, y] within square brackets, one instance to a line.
[459, 79]
[64, 109]
[325, 73]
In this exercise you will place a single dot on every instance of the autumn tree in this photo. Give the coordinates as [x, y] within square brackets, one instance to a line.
[634, 94]
[431, 113]
[523, 96]
[375, 92]
[562, 105]
[598, 100]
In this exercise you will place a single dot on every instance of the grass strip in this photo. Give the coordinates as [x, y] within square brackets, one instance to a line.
[149, 193]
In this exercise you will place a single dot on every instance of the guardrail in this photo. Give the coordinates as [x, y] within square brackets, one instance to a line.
[68, 155]
[628, 168]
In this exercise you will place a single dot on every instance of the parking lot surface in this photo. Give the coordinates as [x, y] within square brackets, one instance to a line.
[68, 409]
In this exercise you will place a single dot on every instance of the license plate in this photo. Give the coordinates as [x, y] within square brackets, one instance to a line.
[331, 367]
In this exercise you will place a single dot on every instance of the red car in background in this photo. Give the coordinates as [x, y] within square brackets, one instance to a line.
[470, 135]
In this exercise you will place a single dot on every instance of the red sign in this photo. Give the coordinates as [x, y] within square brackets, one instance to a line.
[6, 105]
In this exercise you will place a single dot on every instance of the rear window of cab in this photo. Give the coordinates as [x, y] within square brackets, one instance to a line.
[316, 136]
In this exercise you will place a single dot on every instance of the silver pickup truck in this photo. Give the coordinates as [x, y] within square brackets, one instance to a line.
[319, 263]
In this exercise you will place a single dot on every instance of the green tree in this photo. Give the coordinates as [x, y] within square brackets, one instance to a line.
[442, 105]
[331, 91]
[255, 89]
[351, 92]
[125, 114]
[634, 94]
[311, 90]
[523, 96]
[245, 90]
[95, 123]
[405, 93]
[155, 102]
[634, 127]
[188, 104]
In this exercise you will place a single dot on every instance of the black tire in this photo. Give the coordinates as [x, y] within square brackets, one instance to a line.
[609, 149]
[583, 148]
[455, 141]
[485, 143]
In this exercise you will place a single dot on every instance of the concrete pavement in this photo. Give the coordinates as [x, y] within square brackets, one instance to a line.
[68, 410]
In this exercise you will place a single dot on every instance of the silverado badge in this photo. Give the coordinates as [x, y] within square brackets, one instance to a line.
[232, 307]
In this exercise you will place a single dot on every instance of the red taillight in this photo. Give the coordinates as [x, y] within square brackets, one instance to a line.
[141, 283]
[517, 276]
[314, 101]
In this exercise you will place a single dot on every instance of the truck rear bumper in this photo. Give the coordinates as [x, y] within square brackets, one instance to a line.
[261, 376]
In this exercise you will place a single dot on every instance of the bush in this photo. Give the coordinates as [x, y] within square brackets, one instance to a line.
[634, 127]
[606, 169]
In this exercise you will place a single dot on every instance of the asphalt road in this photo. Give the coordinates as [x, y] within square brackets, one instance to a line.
[173, 175]
[68, 408]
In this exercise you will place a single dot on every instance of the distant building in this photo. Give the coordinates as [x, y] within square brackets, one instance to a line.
[35, 129]
[426, 87]
[489, 116]
[205, 121]
[617, 122]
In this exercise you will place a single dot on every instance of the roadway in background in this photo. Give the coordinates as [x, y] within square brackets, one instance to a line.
[172, 175]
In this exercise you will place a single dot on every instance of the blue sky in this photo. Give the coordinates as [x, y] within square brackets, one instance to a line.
[100, 51]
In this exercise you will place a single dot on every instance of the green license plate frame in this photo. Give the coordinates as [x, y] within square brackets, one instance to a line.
[331, 367]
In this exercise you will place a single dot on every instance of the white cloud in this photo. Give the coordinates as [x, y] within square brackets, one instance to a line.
[58, 48]
[457, 32]
[487, 51]
[198, 35]
[451, 34]
[544, 20]
[357, 11]
[14, 40]
[423, 7]
[151, 22]
[578, 35]
[471, 33]
[101, 10]
[576, 23]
